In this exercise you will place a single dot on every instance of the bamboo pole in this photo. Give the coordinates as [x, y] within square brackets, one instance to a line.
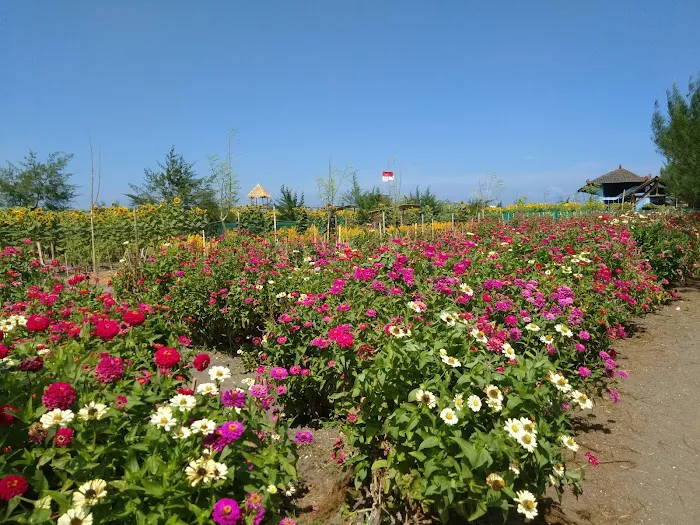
[422, 225]
[274, 222]
[41, 255]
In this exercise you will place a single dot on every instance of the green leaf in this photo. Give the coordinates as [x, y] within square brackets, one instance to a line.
[380, 463]
[430, 442]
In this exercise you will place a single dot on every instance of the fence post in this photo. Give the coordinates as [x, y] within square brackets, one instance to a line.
[41, 255]
[238, 220]
[274, 222]
[422, 225]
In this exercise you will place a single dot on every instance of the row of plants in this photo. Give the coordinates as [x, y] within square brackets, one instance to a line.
[102, 422]
[65, 235]
[455, 366]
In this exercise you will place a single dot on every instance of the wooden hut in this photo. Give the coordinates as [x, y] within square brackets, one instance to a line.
[259, 193]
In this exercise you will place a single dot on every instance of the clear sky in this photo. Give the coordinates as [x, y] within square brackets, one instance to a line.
[543, 94]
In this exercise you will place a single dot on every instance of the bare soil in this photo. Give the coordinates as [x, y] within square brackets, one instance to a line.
[649, 443]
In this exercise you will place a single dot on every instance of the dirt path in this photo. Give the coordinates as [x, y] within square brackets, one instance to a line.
[649, 443]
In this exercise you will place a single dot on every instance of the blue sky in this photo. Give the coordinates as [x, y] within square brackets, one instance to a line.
[543, 94]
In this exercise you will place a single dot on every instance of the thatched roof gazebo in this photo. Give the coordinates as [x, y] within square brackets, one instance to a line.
[259, 193]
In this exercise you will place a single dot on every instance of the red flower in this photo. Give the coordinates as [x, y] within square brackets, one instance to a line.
[12, 485]
[63, 437]
[134, 317]
[3, 350]
[106, 329]
[201, 362]
[121, 402]
[185, 391]
[37, 323]
[59, 395]
[167, 357]
[6, 416]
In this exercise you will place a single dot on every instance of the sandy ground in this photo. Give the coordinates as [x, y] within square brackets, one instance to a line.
[648, 444]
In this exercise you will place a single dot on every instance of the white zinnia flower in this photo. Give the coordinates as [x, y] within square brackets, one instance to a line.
[182, 433]
[459, 401]
[514, 427]
[526, 503]
[208, 389]
[92, 411]
[558, 469]
[414, 306]
[163, 418]
[201, 470]
[474, 403]
[448, 416]
[57, 418]
[79, 516]
[271, 489]
[466, 289]
[532, 327]
[203, 426]
[528, 440]
[90, 493]
[426, 397]
[508, 351]
[248, 381]
[452, 361]
[448, 318]
[219, 373]
[183, 402]
[583, 401]
[569, 443]
[494, 397]
[547, 339]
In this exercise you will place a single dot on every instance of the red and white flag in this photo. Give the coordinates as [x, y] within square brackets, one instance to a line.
[387, 176]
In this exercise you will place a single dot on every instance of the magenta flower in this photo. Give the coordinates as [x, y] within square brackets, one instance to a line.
[258, 391]
[592, 459]
[278, 373]
[583, 371]
[304, 438]
[109, 369]
[233, 398]
[226, 512]
[295, 370]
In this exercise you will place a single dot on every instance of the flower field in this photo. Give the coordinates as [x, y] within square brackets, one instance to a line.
[455, 368]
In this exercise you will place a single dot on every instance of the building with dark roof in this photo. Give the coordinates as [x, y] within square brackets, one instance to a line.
[621, 185]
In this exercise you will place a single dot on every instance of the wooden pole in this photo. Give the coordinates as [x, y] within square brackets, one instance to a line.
[274, 222]
[384, 221]
[422, 225]
[41, 255]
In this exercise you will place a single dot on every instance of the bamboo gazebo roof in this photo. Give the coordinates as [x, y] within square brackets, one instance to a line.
[259, 193]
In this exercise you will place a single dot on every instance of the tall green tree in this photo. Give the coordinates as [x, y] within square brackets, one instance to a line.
[174, 178]
[225, 183]
[287, 202]
[36, 184]
[677, 137]
[423, 198]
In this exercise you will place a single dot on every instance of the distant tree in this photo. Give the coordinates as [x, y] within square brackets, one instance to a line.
[35, 184]
[329, 186]
[677, 137]
[288, 202]
[225, 183]
[174, 178]
[423, 199]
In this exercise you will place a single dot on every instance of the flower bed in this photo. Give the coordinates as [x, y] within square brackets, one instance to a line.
[100, 421]
[454, 366]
